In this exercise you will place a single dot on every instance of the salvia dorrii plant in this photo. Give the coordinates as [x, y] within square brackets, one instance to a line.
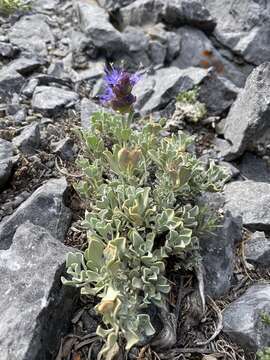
[264, 354]
[140, 189]
[9, 6]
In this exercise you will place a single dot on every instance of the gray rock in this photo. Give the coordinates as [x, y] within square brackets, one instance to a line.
[242, 320]
[222, 90]
[49, 100]
[88, 108]
[257, 249]
[197, 50]
[30, 87]
[137, 13]
[10, 82]
[65, 149]
[45, 207]
[254, 168]
[157, 90]
[6, 149]
[243, 26]
[82, 49]
[188, 12]
[7, 50]
[112, 5]
[25, 66]
[32, 33]
[95, 71]
[217, 248]
[94, 23]
[47, 5]
[250, 200]
[158, 52]
[29, 139]
[35, 306]
[5, 171]
[248, 119]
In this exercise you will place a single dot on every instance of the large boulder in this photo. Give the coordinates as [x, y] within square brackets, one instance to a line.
[250, 200]
[94, 23]
[35, 308]
[49, 100]
[243, 26]
[158, 89]
[217, 247]
[242, 319]
[45, 207]
[248, 120]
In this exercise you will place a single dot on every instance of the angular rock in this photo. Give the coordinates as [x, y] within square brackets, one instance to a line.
[221, 89]
[112, 5]
[257, 249]
[88, 108]
[94, 23]
[137, 13]
[250, 200]
[248, 119]
[50, 100]
[35, 306]
[6, 149]
[217, 248]
[29, 139]
[30, 87]
[188, 12]
[10, 82]
[157, 90]
[7, 50]
[25, 66]
[45, 207]
[32, 33]
[65, 149]
[254, 168]
[243, 26]
[242, 320]
[197, 50]
[5, 171]
[82, 49]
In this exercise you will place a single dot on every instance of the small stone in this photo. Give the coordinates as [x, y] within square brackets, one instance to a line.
[242, 320]
[7, 50]
[65, 149]
[35, 308]
[10, 82]
[250, 200]
[25, 65]
[257, 249]
[50, 100]
[29, 139]
[223, 90]
[254, 168]
[45, 207]
[30, 87]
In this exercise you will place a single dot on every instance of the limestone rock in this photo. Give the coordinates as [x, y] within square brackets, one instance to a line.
[45, 207]
[35, 306]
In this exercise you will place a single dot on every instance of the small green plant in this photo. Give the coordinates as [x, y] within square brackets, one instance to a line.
[265, 318]
[140, 189]
[9, 6]
[264, 354]
[188, 106]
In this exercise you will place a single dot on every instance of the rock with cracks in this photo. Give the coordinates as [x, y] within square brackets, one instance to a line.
[45, 207]
[242, 319]
[39, 307]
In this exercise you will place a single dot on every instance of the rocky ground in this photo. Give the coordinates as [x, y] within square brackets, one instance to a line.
[51, 66]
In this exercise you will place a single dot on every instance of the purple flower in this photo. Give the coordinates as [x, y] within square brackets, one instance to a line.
[118, 93]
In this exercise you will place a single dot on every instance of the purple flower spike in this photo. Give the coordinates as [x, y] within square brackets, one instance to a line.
[118, 93]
